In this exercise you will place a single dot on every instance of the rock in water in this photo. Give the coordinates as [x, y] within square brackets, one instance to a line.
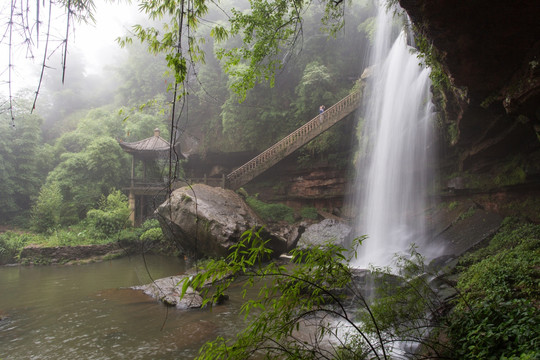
[206, 221]
[326, 230]
[168, 291]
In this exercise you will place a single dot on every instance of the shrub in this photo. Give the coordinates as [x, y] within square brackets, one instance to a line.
[66, 237]
[453, 205]
[154, 234]
[150, 224]
[46, 211]
[112, 215]
[129, 234]
[497, 330]
[11, 244]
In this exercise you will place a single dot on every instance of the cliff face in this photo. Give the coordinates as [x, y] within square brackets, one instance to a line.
[484, 44]
[490, 51]
[322, 183]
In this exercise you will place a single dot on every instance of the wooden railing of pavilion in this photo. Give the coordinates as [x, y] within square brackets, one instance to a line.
[292, 142]
[160, 186]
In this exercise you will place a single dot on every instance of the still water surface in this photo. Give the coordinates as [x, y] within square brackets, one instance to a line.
[87, 312]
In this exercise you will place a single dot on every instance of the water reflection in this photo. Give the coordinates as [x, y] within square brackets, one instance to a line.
[87, 311]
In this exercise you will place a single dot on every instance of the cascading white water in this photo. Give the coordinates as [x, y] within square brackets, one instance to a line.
[393, 177]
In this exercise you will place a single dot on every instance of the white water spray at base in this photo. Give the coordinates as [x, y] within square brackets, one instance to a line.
[394, 175]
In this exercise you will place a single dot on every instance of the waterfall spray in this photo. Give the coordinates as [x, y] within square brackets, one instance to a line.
[393, 176]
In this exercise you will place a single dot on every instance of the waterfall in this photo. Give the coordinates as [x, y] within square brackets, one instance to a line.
[393, 175]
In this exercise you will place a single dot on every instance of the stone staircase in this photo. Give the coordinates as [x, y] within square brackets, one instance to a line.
[292, 142]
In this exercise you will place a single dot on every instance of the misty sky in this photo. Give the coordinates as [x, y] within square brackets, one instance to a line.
[95, 41]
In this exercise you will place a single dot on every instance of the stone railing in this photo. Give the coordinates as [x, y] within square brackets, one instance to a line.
[292, 142]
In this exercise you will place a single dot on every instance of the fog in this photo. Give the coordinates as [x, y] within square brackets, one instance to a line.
[92, 46]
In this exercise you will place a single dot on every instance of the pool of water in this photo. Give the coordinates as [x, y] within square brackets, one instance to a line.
[89, 312]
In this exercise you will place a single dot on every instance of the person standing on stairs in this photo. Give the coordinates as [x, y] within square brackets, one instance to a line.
[321, 110]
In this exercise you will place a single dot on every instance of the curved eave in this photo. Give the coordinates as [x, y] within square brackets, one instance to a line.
[148, 148]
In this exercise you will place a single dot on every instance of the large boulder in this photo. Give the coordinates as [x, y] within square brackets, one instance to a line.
[206, 221]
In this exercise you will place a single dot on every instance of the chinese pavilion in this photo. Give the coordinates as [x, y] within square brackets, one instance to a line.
[149, 182]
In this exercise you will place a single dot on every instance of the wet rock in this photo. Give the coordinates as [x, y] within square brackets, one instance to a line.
[461, 229]
[206, 221]
[169, 289]
[291, 233]
[326, 230]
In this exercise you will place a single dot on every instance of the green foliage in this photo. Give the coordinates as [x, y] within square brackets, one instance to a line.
[20, 171]
[11, 244]
[512, 233]
[453, 205]
[510, 173]
[368, 28]
[47, 209]
[430, 57]
[495, 315]
[112, 215]
[498, 316]
[287, 300]
[467, 214]
[309, 212]
[142, 76]
[150, 224]
[314, 89]
[84, 176]
[497, 330]
[271, 212]
[128, 234]
[406, 305]
[453, 133]
[154, 234]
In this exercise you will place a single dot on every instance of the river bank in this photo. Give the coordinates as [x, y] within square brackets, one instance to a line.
[81, 254]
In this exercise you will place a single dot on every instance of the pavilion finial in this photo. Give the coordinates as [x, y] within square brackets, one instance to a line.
[156, 132]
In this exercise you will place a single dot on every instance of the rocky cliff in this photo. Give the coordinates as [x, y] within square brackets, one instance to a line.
[487, 54]
[490, 52]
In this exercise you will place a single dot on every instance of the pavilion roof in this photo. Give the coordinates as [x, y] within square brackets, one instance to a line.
[151, 147]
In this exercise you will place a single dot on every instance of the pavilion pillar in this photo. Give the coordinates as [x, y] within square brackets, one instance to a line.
[132, 170]
[131, 202]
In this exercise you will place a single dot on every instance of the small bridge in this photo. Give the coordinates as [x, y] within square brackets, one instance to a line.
[292, 142]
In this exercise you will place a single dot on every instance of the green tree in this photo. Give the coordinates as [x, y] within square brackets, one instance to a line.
[20, 176]
[314, 89]
[254, 124]
[83, 177]
[47, 209]
[142, 77]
